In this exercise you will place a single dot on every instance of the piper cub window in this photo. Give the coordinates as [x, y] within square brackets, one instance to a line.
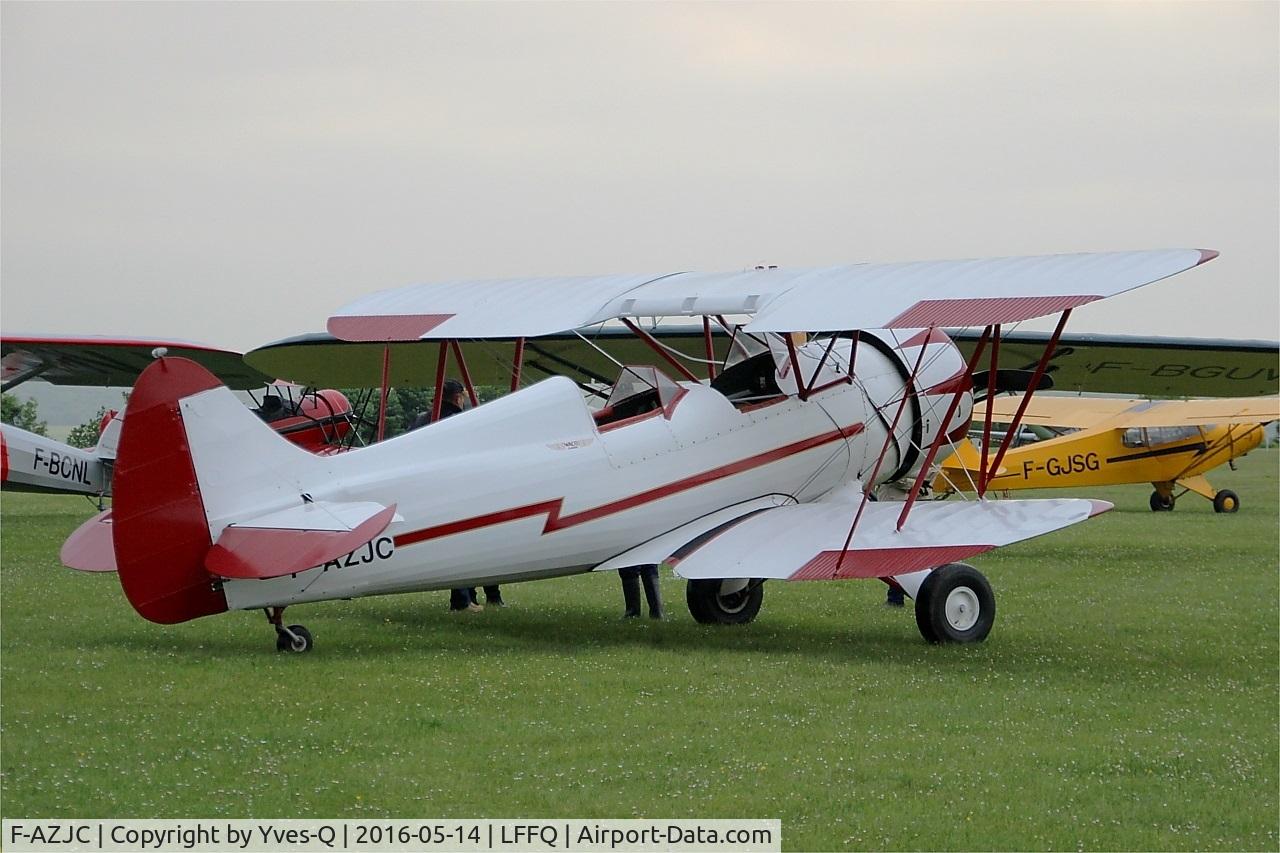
[1156, 436]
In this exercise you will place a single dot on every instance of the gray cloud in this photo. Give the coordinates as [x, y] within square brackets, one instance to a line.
[234, 172]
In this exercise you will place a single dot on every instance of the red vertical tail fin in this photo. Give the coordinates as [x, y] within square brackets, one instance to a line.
[160, 531]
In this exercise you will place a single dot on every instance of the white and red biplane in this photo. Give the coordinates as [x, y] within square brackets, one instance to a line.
[770, 468]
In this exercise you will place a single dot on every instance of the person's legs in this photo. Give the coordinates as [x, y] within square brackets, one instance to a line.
[458, 599]
[493, 596]
[652, 594]
[630, 578]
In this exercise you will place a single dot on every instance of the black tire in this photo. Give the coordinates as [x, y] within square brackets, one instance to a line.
[955, 604]
[1226, 501]
[1161, 503]
[301, 645]
[708, 606]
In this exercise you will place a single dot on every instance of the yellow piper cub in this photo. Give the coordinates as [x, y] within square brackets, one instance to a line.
[1169, 443]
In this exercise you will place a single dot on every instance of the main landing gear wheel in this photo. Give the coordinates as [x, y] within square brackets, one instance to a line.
[1162, 503]
[732, 601]
[1226, 501]
[955, 604]
[295, 639]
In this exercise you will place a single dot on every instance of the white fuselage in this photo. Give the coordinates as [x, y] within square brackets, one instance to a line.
[528, 486]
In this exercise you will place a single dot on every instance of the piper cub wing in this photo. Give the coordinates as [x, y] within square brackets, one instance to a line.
[1171, 444]
[1119, 413]
[764, 467]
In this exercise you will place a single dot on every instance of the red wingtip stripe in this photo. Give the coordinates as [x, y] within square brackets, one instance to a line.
[985, 311]
[882, 562]
[388, 327]
[1207, 255]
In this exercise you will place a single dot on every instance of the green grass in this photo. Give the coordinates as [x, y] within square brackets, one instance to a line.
[1127, 698]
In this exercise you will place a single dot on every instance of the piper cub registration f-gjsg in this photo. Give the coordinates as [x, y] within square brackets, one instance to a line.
[839, 387]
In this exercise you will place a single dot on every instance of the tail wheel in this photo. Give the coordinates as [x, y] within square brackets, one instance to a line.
[1163, 503]
[1226, 501]
[732, 601]
[294, 639]
[955, 604]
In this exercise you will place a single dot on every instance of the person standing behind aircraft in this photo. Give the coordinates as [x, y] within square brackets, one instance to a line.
[631, 578]
[462, 598]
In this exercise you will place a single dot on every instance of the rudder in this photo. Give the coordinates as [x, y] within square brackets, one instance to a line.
[159, 531]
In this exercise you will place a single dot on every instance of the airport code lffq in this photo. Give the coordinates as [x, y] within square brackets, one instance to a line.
[392, 836]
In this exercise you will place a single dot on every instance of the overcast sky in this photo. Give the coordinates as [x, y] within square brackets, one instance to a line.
[234, 172]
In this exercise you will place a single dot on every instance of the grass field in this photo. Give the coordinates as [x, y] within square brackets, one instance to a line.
[1128, 698]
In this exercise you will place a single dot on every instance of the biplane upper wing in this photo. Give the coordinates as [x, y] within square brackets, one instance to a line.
[857, 296]
[103, 361]
[1116, 413]
[805, 542]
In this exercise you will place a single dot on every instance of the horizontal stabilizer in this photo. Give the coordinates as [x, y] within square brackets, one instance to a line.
[89, 548]
[805, 542]
[296, 539]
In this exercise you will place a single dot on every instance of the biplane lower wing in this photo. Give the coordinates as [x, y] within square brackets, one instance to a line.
[661, 547]
[806, 542]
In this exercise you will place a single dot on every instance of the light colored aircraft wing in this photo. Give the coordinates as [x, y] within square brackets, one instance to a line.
[1047, 411]
[110, 361]
[858, 296]
[804, 542]
[294, 540]
[663, 546]
[1145, 366]
[1116, 413]
[500, 308]
[965, 293]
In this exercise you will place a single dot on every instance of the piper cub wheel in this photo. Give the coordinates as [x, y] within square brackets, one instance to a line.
[732, 601]
[955, 604]
[1226, 501]
[1162, 503]
[299, 643]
